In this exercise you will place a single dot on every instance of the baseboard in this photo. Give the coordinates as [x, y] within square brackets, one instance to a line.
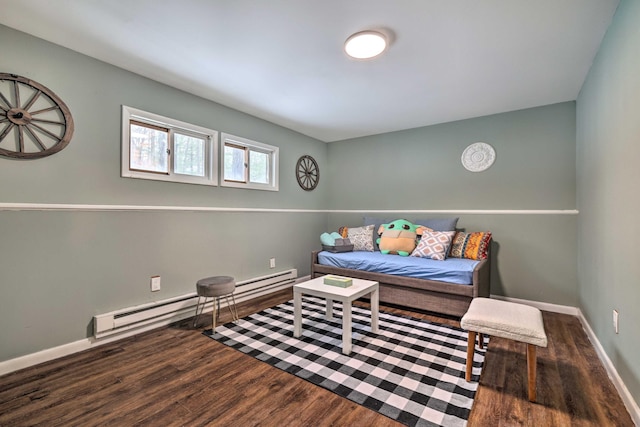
[544, 306]
[33, 359]
[53, 353]
[623, 391]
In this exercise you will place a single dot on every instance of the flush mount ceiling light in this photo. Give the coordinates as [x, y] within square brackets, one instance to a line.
[365, 44]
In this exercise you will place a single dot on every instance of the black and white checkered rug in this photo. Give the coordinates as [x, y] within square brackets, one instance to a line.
[411, 371]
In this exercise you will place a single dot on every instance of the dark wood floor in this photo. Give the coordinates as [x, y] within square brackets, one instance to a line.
[176, 376]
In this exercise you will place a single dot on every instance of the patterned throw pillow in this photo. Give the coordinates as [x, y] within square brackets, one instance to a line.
[362, 238]
[434, 245]
[471, 245]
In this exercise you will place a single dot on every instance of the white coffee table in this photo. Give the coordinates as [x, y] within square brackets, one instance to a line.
[346, 296]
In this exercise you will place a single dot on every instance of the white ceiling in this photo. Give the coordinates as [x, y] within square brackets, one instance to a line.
[282, 60]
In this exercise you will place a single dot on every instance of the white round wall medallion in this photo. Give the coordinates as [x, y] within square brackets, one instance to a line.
[478, 157]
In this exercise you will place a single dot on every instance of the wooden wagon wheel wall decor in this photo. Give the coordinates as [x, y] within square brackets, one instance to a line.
[307, 173]
[34, 122]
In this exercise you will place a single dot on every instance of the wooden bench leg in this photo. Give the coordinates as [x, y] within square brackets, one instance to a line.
[531, 371]
[481, 341]
[471, 344]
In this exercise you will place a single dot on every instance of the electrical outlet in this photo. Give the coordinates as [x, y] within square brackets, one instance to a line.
[155, 283]
[615, 320]
[272, 263]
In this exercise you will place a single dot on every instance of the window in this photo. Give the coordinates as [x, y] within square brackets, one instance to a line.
[160, 148]
[249, 164]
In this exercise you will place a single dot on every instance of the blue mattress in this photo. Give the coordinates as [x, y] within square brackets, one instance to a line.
[452, 270]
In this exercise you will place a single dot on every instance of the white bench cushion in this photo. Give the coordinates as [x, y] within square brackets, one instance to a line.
[505, 319]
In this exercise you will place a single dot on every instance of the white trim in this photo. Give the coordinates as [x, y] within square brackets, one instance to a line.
[159, 312]
[270, 150]
[545, 306]
[19, 206]
[32, 359]
[49, 354]
[467, 211]
[28, 360]
[623, 391]
[134, 208]
[211, 148]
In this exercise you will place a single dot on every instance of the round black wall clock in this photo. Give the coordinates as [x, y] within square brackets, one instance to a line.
[307, 173]
[34, 122]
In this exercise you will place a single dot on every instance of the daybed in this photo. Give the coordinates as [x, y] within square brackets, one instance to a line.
[445, 284]
[440, 296]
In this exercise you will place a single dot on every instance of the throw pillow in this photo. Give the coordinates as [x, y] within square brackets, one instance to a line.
[434, 245]
[437, 224]
[362, 238]
[470, 245]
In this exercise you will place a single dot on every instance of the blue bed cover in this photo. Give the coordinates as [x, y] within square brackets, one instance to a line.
[452, 270]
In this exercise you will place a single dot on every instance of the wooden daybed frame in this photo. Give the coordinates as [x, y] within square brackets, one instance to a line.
[429, 295]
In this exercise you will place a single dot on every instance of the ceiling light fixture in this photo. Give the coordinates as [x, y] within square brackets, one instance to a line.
[365, 44]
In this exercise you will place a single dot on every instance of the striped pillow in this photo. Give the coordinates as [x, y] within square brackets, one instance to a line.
[470, 245]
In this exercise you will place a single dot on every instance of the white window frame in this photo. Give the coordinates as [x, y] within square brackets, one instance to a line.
[211, 148]
[271, 151]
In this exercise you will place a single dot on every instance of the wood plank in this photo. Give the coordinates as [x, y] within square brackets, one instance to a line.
[177, 376]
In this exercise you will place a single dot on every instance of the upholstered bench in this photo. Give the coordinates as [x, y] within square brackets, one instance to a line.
[509, 320]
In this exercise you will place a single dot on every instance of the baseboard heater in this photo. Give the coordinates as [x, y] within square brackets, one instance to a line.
[148, 316]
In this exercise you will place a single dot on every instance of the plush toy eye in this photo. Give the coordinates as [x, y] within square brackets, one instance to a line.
[406, 227]
[391, 226]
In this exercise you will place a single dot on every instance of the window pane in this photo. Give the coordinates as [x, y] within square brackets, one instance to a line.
[189, 155]
[258, 167]
[234, 167]
[148, 149]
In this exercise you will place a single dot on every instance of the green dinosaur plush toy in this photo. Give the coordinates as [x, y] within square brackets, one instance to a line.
[399, 237]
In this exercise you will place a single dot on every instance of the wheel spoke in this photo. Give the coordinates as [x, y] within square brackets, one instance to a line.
[48, 121]
[17, 93]
[43, 130]
[6, 119]
[6, 131]
[35, 137]
[33, 99]
[20, 139]
[6, 101]
[55, 107]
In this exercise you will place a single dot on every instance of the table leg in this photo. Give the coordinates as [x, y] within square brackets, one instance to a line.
[346, 327]
[329, 313]
[375, 303]
[471, 344]
[531, 371]
[214, 313]
[297, 313]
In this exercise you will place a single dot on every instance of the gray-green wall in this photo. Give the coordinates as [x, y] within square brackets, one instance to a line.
[59, 269]
[420, 169]
[608, 149]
